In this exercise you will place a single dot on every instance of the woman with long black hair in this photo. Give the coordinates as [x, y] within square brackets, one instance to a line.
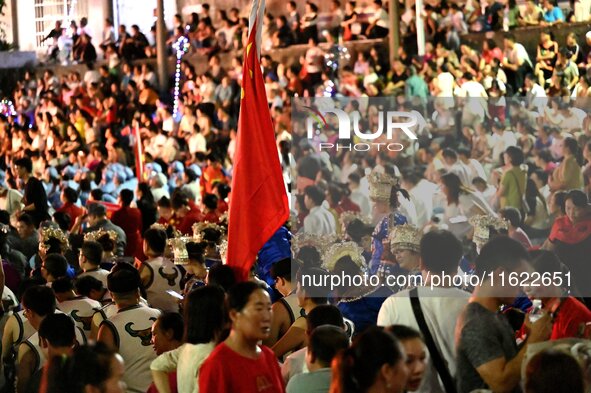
[146, 204]
[375, 362]
[205, 319]
[462, 204]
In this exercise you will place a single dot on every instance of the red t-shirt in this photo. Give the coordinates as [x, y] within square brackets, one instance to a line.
[72, 210]
[222, 207]
[185, 224]
[209, 178]
[570, 319]
[226, 371]
[211, 217]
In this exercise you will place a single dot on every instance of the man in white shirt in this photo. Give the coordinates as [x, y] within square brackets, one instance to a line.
[378, 22]
[500, 140]
[535, 96]
[475, 105]
[516, 62]
[10, 200]
[572, 118]
[440, 252]
[422, 200]
[453, 165]
[320, 220]
[474, 167]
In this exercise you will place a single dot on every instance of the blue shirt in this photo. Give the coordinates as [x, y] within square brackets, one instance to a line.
[554, 16]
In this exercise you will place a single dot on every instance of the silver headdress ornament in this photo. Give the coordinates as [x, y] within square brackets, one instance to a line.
[95, 235]
[54, 233]
[348, 216]
[320, 242]
[340, 250]
[482, 225]
[405, 237]
[175, 232]
[178, 245]
[380, 186]
[199, 227]
[223, 250]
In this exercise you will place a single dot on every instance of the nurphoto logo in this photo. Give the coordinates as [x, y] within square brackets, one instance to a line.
[359, 133]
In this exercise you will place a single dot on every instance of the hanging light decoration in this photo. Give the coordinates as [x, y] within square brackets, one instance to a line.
[7, 108]
[181, 46]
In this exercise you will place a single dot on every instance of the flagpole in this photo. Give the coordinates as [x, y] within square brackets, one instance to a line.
[139, 167]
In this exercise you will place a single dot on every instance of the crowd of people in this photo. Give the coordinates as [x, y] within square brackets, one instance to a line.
[100, 243]
[223, 32]
[226, 30]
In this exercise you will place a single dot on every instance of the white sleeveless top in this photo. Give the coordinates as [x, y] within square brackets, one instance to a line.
[25, 330]
[99, 274]
[165, 276]
[104, 313]
[291, 303]
[108, 310]
[81, 309]
[34, 345]
[132, 330]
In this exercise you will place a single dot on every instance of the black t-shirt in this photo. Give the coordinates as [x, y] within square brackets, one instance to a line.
[35, 194]
[485, 336]
[573, 49]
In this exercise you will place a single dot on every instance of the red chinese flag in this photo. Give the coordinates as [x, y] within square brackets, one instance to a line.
[259, 201]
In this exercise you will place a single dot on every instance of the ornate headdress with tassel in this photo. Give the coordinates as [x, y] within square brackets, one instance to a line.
[51, 232]
[348, 216]
[380, 186]
[340, 250]
[320, 242]
[405, 237]
[95, 235]
[200, 227]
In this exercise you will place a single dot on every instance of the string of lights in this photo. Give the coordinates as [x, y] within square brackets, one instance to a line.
[181, 46]
[7, 108]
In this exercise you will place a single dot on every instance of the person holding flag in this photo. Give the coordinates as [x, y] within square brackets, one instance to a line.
[259, 205]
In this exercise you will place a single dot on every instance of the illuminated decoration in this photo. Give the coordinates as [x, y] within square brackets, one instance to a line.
[7, 108]
[336, 57]
[181, 46]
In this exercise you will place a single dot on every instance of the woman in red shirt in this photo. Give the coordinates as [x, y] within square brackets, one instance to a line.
[570, 238]
[130, 220]
[239, 364]
[490, 51]
[570, 316]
